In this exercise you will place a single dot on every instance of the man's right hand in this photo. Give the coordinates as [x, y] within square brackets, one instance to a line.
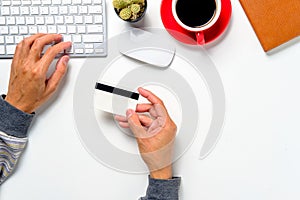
[29, 87]
[155, 135]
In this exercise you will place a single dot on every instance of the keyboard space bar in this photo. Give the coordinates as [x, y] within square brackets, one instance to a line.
[92, 38]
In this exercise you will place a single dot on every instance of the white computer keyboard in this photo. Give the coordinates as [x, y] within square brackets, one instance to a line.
[83, 22]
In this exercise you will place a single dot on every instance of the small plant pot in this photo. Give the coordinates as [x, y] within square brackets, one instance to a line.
[133, 19]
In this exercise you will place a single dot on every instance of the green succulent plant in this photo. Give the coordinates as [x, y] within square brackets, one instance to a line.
[129, 9]
[125, 13]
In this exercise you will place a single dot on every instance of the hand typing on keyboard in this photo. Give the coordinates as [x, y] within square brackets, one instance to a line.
[83, 22]
[29, 87]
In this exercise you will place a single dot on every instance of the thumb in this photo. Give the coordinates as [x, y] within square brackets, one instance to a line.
[134, 123]
[58, 74]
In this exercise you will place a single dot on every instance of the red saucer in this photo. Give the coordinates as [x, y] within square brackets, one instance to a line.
[188, 37]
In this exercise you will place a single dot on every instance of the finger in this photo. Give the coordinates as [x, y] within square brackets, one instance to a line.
[23, 48]
[150, 96]
[134, 123]
[120, 118]
[145, 120]
[143, 107]
[39, 44]
[124, 124]
[58, 74]
[50, 54]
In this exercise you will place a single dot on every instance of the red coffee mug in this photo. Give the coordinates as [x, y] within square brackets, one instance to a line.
[199, 31]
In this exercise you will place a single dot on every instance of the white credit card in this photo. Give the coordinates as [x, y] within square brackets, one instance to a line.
[114, 100]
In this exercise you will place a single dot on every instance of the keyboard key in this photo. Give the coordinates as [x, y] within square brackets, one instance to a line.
[10, 49]
[76, 1]
[95, 29]
[9, 39]
[63, 10]
[2, 20]
[32, 29]
[89, 51]
[3, 30]
[39, 20]
[69, 19]
[34, 10]
[49, 20]
[95, 9]
[98, 19]
[53, 10]
[87, 2]
[18, 39]
[46, 2]
[24, 10]
[77, 38]
[81, 29]
[78, 20]
[14, 30]
[30, 20]
[92, 38]
[61, 29]
[1, 39]
[71, 29]
[36, 2]
[79, 51]
[42, 29]
[59, 19]
[97, 1]
[20, 20]
[23, 30]
[73, 9]
[44, 10]
[5, 11]
[67, 38]
[56, 2]
[10, 20]
[88, 19]
[83, 9]
[52, 29]
[26, 2]
[5, 3]
[67, 2]
[99, 51]
[89, 46]
[15, 10]
[2, 50]
[16, 3]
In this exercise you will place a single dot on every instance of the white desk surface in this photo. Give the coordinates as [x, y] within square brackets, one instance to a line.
[257, 156]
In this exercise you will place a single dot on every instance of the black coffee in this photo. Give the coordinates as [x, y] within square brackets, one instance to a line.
[195, 13]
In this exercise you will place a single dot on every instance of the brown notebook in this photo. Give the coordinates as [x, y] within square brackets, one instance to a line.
[274, 21]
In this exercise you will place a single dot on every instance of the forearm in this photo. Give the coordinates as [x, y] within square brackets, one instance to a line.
[163, 189]
[13, 137]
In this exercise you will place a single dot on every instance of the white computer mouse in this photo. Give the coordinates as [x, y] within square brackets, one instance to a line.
[153, 49]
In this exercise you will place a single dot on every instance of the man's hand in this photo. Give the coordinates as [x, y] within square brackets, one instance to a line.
[29, 87]
[155, 135]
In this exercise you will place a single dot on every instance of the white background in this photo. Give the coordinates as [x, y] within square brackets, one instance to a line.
[256, 157]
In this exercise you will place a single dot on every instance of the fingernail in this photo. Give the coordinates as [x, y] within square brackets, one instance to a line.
[66, 60]
[129, 112]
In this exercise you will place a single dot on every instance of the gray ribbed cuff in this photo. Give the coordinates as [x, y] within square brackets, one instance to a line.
[13, 122]
[163, 189]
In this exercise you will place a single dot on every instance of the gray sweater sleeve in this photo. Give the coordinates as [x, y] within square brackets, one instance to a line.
[163, 189]
[13, 137]
[13, 122]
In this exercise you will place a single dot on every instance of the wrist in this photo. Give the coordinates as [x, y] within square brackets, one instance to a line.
[164, 173]
[18, 106]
